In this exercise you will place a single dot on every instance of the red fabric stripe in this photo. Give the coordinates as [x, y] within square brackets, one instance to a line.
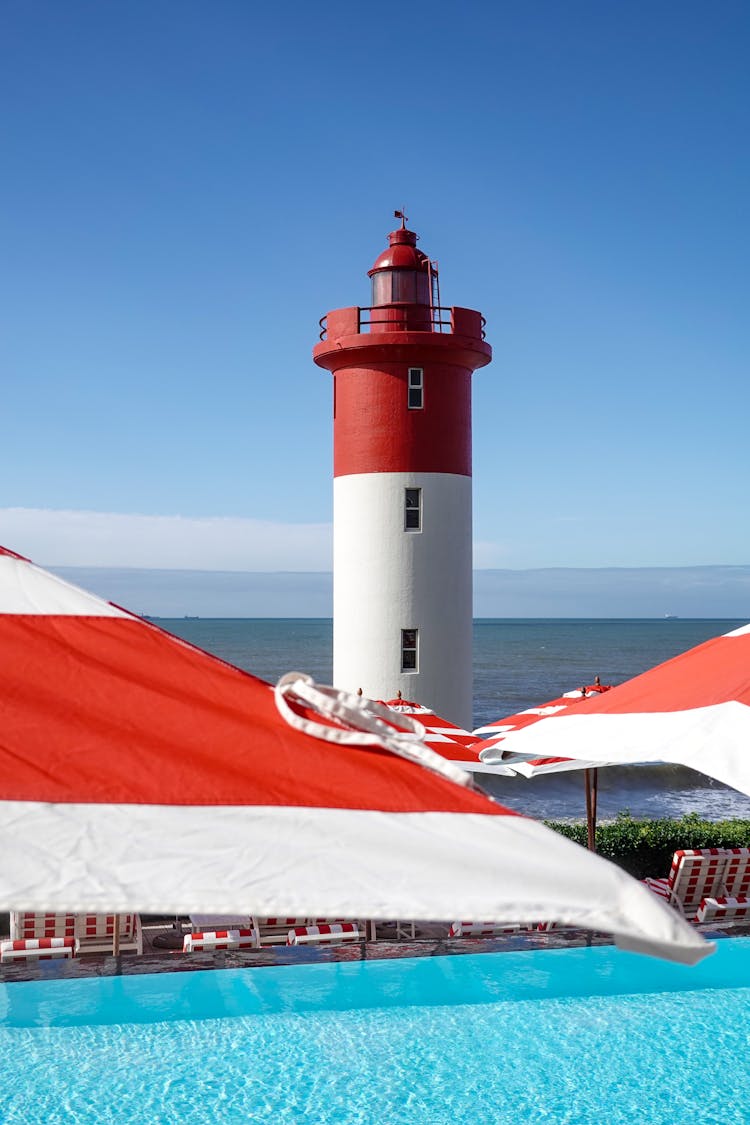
[715, 672]
[114, 710]
[13, 554]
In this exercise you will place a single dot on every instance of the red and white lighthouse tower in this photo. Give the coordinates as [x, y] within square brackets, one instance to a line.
[402, 542]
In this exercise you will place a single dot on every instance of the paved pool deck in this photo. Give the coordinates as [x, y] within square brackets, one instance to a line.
[431, 941]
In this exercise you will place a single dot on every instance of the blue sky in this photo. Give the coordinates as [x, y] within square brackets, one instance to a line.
[187, 187]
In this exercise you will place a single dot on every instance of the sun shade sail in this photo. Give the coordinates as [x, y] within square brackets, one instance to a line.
[139, 773]
[693, 710]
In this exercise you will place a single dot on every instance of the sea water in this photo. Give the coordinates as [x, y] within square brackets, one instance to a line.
[518, 663]
[566, 1037]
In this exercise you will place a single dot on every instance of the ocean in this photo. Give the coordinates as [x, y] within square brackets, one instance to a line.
[518, 663]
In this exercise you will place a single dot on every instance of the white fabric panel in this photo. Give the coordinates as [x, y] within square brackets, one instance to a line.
[714, 740]
[122, 858]
[487, 767]
[563, 765]
[25, 588]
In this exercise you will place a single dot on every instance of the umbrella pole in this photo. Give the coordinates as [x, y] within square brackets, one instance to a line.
[116, 937]
[592, 786]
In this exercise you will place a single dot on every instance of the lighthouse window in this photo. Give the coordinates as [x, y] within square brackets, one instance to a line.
[400, 287]
[415, 394]
[413, 509]
[409, 642]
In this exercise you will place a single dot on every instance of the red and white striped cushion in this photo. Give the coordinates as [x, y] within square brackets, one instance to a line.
[718, 909]
[35, 949]
[219, 939]
[482, 929]
[695, 874]
[335, 931]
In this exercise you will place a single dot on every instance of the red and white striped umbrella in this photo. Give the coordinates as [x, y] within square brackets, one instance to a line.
[138, 773]
[450, 741]
[693, 710]
[493, 748]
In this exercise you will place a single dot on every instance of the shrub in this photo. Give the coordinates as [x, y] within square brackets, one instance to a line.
[646, 847]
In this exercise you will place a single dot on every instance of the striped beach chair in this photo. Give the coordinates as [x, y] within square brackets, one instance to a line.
[273, 931]
[482, 929]
[30, 924]
[96, 933]
[733, 902]
[737, 873]
[211, 940]
[325, 932]
[38, 949]
[695, 874]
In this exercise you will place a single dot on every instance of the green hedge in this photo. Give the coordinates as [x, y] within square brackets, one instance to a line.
[646, 847]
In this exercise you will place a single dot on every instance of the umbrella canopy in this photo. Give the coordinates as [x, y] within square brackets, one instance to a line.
[139, 773]
[450, 741]
[693, 710]
[492, 747]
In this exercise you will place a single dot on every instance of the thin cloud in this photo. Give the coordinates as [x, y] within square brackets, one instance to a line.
[489, 555]
[112, 539]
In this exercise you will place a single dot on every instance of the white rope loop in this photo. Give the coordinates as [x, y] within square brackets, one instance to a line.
[366, 723]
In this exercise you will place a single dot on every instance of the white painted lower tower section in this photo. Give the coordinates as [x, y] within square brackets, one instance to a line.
[387, 579]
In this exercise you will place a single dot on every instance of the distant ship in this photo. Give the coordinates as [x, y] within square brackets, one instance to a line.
[671, 617]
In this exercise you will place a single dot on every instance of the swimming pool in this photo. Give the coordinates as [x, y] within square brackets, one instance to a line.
[564, 1037]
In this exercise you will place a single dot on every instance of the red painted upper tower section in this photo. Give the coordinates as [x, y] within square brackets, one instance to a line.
[402, 370]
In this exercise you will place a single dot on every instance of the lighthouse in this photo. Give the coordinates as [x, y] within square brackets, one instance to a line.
[402, 533]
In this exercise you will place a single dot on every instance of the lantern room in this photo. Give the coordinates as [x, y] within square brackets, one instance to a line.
[402, 274]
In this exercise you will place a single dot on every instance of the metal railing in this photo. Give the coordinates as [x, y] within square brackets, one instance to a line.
[440, 319]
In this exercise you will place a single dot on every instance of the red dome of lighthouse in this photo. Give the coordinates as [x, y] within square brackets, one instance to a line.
[402, 253]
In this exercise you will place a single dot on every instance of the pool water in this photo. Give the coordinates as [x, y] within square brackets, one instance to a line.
[564, 1036]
